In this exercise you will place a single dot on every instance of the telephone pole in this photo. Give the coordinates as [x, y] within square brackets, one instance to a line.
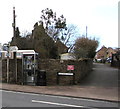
[14, 36]
[86, 31]
[14, 22]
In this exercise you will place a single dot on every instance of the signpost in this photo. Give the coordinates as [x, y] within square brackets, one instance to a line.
[8, 45]
[68, 74]
[69, 68]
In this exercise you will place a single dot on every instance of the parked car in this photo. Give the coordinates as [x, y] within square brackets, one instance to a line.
[109, 60]
[99, 60]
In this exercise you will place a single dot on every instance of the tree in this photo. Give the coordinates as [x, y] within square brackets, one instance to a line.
[17, 32]
[57, 28]
[38, 41]
[52, 24]
[25, 33]
[21, 42]
[85, 47]
[69, 35]
[42, 43]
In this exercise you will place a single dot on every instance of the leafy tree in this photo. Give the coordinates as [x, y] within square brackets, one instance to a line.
[85, 47]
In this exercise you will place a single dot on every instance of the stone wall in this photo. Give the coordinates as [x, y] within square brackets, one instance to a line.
[115, 60]
[51, 66]
[12, 71]
[4, 70]
[82, 68]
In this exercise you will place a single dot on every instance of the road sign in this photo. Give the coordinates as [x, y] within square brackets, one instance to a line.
[65, 74]
[70, 67]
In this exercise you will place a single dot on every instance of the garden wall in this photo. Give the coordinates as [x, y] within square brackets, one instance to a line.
[12, 71]
[81, 69]
[51, 66]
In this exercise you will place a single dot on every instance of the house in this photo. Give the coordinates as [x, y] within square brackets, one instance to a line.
[105, 53]
[62, 48]
[109, 52]
[67, 56]
[116, 59]
[101, 54]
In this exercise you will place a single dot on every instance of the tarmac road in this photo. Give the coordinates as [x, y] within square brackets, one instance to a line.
[20, 99]
[0, 70]
[102, 76]
[105, 79]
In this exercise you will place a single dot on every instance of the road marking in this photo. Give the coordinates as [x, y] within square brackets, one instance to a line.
[55, 96]
[60, 104]
[53, 103]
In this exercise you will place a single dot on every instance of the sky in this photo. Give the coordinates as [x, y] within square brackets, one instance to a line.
[100, 16]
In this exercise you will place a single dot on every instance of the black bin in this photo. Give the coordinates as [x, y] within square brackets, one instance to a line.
[41, 78]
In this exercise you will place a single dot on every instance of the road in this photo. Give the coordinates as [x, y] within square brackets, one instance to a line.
[0, 70]
[102, 76]
[20, 99]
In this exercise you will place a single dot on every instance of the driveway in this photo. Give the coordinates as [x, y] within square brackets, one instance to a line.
[103, 75]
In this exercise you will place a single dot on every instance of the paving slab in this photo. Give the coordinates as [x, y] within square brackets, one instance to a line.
[89, 92]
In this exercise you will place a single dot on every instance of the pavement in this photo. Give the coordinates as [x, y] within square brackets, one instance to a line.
[101, 87]
[88, 92]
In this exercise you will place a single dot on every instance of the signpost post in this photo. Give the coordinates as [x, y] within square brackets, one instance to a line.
[69, 68]
[8, 45]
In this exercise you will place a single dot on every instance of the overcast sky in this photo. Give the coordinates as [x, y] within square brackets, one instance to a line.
[100, 16]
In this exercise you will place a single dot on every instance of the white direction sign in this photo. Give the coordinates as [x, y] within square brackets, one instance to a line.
[65, 73]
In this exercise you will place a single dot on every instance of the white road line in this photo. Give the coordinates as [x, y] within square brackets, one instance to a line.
[53, 103]
[60, 104]
[83, 99]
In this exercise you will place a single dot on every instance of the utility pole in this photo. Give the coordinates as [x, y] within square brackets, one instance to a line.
[86, 31]
[14, 22]
[14, 35]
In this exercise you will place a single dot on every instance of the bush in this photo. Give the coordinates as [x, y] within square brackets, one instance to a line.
[85, 47]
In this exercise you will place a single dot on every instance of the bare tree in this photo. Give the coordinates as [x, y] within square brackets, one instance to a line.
[25, 33]
[52, 24]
